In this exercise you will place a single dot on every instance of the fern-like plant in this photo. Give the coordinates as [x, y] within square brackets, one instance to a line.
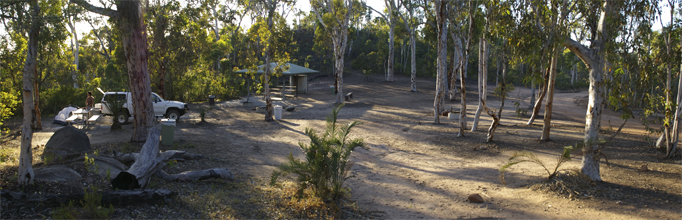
[525, 156]
[326, 160]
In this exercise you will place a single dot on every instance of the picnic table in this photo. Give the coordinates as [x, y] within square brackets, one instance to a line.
[84, 116]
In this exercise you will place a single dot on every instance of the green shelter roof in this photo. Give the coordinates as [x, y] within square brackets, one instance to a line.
[293, 69]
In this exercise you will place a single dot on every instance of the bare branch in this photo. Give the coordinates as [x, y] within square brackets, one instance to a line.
[103, 11]
[580, 50]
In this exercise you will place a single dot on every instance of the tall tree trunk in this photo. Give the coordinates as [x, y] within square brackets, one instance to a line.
[269, 111]
[391, 48]
[413, 63]
[594, 59]
[441, 16]
[678, 111]
[456, 57]
[482, 80]
[464, 72]
[216, 63]
[26, 175]
[550, 95]
[134, 38]
[75, 50]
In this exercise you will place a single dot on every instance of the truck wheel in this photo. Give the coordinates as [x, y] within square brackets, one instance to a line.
[173, 114]
[122, 117]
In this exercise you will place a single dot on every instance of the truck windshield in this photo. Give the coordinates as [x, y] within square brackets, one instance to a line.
[156, 98]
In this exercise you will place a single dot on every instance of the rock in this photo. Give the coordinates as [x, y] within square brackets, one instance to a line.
[103, 165]
[475, 198]
[67, 141]
[56, 174]
[644, 168]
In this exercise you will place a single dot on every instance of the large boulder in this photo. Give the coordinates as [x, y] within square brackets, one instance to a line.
[66, 141]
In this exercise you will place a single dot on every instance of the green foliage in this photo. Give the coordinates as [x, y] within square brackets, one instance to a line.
[525, 156]
[326, 164]
[8, 102]
[90, 164]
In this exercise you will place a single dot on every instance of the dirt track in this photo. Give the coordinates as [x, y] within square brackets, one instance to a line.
[414, 168]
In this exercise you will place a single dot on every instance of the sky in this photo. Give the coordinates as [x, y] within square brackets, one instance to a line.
[303, 5]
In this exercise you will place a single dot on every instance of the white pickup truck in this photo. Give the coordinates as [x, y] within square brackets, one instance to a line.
[162, 108]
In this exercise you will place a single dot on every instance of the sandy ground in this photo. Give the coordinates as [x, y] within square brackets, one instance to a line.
[413, 168]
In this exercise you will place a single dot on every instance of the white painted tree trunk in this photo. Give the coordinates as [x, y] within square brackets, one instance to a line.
[25, 174]
[482, 80]
[550, 95]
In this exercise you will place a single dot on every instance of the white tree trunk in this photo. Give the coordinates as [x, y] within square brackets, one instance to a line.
[670, 151]
[482, 80]
[464, 72]
[593, 58]
[339, 35]
[391, 47]
[550, 95]
[75, 51]
[26, 175]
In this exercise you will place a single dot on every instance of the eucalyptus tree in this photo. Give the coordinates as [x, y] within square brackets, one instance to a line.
[129, 19]
[441, 10]
[464, 67]
[602, 20]
[391, 20]
[334, 16]
[26, 16]
[671, 134]
[557, 25]
[412, 19]
[266, 35]
[483, 54]
[546, 21]
[72, 16]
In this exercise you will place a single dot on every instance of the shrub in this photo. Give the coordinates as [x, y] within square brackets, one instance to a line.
[326, 163]
[524, 156]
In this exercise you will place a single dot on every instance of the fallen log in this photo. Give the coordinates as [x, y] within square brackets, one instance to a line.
[167, 155]
[215, 173]
[150, 161]
[146, 164]
[115, 197]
